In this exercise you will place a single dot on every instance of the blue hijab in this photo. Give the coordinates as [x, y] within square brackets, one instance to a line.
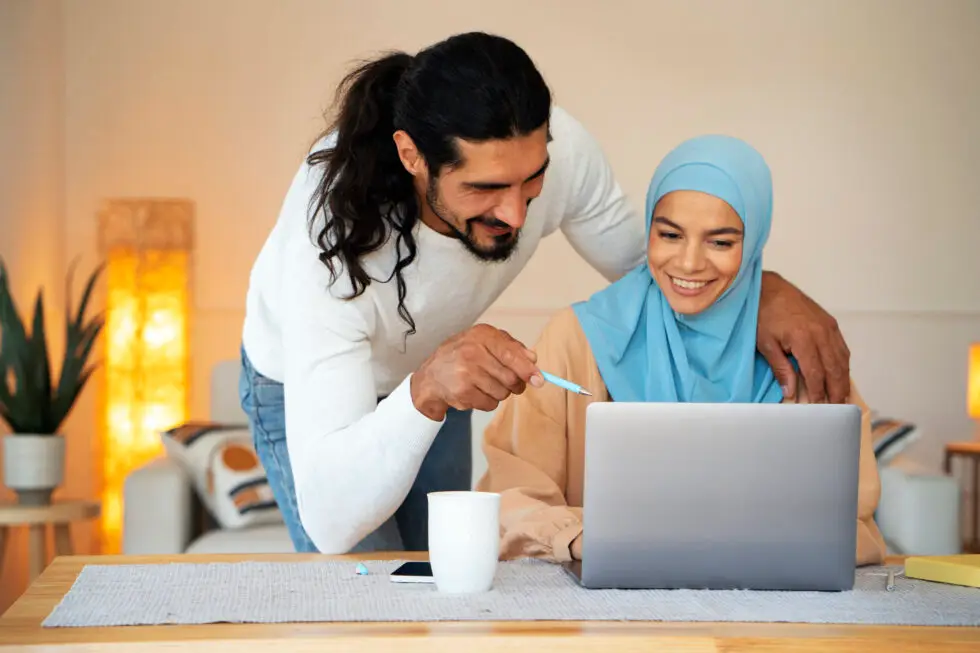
[647, 352]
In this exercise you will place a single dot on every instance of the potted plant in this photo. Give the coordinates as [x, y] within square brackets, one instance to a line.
[31, 404]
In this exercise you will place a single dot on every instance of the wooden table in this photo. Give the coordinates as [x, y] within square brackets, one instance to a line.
[20, 627]
[58, 514]
[968, 450]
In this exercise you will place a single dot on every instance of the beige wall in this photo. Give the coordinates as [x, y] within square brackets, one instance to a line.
[866, 109]
[32, 143]
[32, 139]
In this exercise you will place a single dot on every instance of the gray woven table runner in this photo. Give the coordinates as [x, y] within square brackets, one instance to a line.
[526, 590]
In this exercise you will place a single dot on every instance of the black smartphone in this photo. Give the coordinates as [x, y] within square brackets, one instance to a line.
[413, 572]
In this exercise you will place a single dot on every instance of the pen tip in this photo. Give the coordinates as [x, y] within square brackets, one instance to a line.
[586, 393]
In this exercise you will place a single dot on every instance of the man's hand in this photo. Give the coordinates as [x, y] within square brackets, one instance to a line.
[576, 548]
[477, 368]
[792, 323]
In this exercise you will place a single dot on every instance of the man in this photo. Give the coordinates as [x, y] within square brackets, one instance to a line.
[423, 201]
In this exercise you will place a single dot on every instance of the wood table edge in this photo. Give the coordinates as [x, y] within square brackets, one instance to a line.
[22, 622]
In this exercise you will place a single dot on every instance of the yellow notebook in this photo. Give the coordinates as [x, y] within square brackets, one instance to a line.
[961, 569]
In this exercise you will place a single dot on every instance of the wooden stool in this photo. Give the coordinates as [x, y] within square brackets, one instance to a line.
[58, 514]
[970, 451]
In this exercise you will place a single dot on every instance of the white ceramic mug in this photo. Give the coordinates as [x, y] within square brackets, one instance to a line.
[464, 540]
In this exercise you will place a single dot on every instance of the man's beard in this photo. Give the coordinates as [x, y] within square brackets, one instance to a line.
[503, 245]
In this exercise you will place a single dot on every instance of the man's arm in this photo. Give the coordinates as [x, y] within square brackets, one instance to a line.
[354, 459]
[606, 232]
[599, 221]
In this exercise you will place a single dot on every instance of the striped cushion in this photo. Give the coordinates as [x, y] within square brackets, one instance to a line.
[225, 471]
[890, 436]
[237, 481]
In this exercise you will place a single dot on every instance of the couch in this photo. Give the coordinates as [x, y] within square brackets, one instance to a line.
[162, 513]
[918, 511]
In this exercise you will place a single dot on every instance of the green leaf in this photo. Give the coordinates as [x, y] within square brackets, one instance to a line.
[17, 417]
[11, 328]
[40, 367]
[16, 354]
[74, 375]
[86, 295]
[8, 408]
[80, 338]
[29, 400]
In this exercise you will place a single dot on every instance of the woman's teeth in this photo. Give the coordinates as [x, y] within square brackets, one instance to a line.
[690, 285]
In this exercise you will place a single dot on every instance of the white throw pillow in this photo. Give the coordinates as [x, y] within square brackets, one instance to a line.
[239, 488]
[225, 471]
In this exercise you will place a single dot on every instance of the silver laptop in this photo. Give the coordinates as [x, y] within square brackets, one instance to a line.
[720, 496]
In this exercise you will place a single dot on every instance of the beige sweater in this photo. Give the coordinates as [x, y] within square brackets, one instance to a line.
[535, 453]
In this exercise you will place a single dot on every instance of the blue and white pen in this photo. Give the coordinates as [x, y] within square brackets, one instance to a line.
[568, 385]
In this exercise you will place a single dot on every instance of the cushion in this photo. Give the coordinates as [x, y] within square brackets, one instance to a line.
[890, 436]
[225, 472]
[239, 487]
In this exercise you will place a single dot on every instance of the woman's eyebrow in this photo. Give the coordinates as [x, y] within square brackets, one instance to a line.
[664, 221]
[723, 231]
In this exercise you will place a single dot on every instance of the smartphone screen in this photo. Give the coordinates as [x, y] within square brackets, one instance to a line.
[413, 572]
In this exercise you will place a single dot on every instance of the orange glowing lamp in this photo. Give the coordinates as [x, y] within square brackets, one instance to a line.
[973, 385]
[147, 247]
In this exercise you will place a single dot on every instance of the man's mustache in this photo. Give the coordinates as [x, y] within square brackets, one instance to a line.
[491, 222]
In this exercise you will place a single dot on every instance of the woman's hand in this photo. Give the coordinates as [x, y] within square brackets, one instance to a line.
[792, 323]
[576, 548]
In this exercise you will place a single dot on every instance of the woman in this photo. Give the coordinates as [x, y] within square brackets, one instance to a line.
[681, 327]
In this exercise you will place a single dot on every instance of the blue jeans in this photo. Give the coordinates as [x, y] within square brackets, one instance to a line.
[447, 466]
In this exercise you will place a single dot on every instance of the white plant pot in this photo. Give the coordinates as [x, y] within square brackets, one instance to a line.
[33, 466]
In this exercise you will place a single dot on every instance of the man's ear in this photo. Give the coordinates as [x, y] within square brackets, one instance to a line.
[409, 154]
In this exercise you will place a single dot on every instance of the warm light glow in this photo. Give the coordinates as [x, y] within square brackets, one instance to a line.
[147, 348]
[973, 383]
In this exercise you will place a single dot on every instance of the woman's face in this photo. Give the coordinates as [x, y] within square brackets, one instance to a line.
[695, 249]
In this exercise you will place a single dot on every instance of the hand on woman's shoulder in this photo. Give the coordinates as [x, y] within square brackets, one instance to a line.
[802, 397]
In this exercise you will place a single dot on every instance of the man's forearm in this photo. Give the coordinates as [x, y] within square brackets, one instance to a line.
[351, 481]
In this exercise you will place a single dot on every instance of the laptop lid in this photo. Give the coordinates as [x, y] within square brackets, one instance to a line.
[750, 496]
